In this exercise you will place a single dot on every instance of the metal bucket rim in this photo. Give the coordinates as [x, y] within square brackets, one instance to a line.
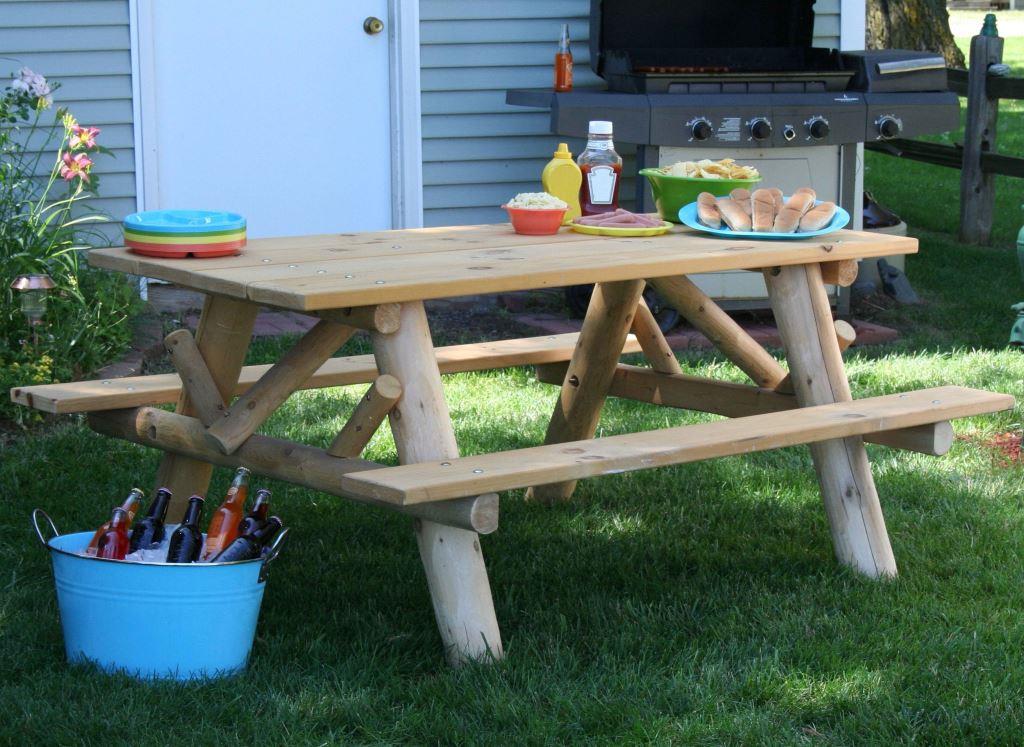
[265, 559]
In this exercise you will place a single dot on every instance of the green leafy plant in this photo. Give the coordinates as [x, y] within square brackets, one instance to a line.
[45, 228]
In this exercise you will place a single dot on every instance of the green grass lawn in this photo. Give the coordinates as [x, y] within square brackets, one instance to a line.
[698, 603]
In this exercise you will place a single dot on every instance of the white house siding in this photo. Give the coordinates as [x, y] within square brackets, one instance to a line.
[478, 151]
[83, 44]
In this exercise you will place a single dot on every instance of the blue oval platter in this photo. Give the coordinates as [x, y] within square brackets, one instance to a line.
[688, 216]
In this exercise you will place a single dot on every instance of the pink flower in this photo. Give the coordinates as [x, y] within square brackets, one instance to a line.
[78, 165]
[83, 137]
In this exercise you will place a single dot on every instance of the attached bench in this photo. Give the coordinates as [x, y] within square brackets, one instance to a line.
[160, 389]
[574, 460]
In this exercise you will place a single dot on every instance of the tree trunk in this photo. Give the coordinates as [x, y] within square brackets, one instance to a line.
[912, 24]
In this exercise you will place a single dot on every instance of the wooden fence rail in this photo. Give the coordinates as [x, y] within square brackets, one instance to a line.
[976, 158]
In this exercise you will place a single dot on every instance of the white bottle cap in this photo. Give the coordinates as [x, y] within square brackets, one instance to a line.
[600, 127]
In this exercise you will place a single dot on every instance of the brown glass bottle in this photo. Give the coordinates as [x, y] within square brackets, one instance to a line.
[251, 545]
[224, 523]
[113, 543]
[130, 505]
[187, 541]
[149, 531]
[258, 516]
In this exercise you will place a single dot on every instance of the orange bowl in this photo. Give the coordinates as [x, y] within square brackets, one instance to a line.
[534, 222]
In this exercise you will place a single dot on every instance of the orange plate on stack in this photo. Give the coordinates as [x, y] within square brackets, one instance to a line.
[183, 233]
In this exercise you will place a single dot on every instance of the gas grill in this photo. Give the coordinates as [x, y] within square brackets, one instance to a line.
[733, 78]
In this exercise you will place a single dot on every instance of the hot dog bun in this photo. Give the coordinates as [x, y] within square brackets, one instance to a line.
[742, 198]
[707, 210]
[788, 218]
[818, 217]
[734, 216]
[763, 205]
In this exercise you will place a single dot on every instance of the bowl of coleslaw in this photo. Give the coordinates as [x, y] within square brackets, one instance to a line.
[536, 213]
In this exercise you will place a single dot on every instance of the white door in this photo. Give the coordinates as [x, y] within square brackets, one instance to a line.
[276, 110]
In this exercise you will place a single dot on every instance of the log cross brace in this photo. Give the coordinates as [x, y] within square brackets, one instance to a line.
[379, 400]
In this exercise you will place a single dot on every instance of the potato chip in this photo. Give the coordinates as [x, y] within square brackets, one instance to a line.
[727, 168]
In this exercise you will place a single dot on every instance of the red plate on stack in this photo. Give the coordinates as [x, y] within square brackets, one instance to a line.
[184, 233]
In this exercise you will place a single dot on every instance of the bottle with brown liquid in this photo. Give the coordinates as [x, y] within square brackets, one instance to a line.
[563, 62]
[251, 545]
[602, 171]
[258, 516]
[224, 523]
[149, 531]
[187, 541]
[130, 506]
[113, 543]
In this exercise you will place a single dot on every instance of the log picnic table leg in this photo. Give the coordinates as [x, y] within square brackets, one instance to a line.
[422, 427]
[608, 320]
[223, 336]
[804, 317]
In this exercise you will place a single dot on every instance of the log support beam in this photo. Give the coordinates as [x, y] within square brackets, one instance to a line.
[729, 337]
[371, 411]
[383, 318]
[652, 341]
[222, 339]
[282, 460]
[739, 400]
[196, 380]
[296, 366]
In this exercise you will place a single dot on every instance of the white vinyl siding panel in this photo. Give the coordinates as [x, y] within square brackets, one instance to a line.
[85, 46]
[478, 151]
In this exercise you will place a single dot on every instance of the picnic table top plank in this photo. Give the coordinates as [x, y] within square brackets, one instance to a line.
[310, 273]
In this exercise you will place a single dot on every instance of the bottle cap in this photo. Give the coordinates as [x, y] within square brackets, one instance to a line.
[563, 151]
[600, 127]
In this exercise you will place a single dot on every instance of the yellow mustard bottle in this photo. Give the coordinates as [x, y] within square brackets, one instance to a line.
[562, 178]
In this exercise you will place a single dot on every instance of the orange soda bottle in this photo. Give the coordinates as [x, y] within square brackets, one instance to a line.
[130, 506]
[114, 542]
[223, 527]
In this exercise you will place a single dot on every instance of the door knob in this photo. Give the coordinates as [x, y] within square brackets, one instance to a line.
[373, 25]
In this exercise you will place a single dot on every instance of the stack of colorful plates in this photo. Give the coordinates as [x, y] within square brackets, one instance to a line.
[180, 233]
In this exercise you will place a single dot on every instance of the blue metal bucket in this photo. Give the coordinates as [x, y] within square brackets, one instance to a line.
[160, 620]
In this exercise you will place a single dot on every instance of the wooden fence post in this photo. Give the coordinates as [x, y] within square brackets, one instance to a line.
[977, 189]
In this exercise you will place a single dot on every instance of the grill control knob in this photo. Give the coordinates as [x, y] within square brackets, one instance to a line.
[889, 127]
[701, 129]
[817, 128]
[760, 128]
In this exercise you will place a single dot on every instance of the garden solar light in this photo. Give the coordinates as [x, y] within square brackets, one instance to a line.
[33, 290]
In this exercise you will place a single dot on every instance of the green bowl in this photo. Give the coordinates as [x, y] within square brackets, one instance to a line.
[672, 192]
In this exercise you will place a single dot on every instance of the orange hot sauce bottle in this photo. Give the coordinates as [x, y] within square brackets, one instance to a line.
[223, 527]
[602, 171]
[563, 62]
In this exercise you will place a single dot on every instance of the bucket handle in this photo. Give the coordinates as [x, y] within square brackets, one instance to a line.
[36, 513]
[272, 553]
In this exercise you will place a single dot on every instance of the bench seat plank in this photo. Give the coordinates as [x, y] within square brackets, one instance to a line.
[508, 470]
[159, 389]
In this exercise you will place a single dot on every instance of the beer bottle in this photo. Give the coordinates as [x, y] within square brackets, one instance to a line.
[258, 516]
[251, 545]
[187, 540]
[150, 531]
[131, 505]
[114, 541]
[224, 523]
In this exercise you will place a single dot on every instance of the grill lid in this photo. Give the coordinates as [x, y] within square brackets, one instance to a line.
[695, 33]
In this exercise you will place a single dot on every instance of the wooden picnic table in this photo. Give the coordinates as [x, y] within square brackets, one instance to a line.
[379, 281]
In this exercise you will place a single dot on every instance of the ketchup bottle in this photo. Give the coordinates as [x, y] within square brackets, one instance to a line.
[602, 171]
[563, 62]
